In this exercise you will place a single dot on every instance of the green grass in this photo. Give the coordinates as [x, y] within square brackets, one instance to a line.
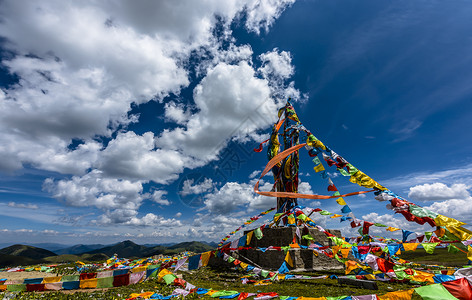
[226, 280]
[439, 257]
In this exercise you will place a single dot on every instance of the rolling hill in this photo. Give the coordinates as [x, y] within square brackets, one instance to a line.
[78, 249]
[126, 249]
[27, 251]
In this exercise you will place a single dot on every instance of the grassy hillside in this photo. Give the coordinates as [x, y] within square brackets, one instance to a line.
[439, 257]
[7, 260]
[78, 249]
[27, 251]
[126, 249]
[86, 257]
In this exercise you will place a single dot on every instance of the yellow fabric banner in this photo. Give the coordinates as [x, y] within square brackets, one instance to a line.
[288, 259]
[400, 295]
[446, 221]
[205, 258]
[249, 237]
[88, 283]
[319, 168]
[410, 246]
[52, 279]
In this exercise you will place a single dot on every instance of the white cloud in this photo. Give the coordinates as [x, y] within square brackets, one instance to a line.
[158, 196]
[254, 174]
[262, 13]
[22, 205]
[438, 191]
[135, 157]
[81, 67]
[459, 175]
[229, 96]
[94, 190]
[189, 188]
[178, 215]
[275, 64]
[230, 197]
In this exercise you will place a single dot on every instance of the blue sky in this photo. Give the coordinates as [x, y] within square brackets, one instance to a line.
[137, 121]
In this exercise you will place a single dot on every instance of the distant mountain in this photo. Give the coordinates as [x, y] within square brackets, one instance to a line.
[21, 255]
[197, 247]
[65, 258]
[50, 246]
[126, 249]
[7, 260]
[27, 251]
[78, 249]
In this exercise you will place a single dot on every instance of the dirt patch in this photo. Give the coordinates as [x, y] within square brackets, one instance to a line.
[24, 275]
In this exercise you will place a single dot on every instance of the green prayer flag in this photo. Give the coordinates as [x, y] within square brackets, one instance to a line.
[223, 293]
[336, 298]
[105, 282]
[343, 172]
[379, 225]
[336, 240]
[337, 193]
[16, 287]
[434, 292]
[258, 233]
[452, 249]
[302, 217]
[264, 273]
[231, 259]
[428, 235]
[421, 212]
[169, 278]
[324, 213]
[307, 237]
[285, 248]
[316, 160]
[429, 247]
[70, 278]
[352, 170]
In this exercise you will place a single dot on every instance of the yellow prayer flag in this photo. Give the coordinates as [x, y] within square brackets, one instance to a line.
[410, 246]
[399, 295]
[392, 229]
[243, 265]
[205, 258]
[52, 279]
[319, 168]
[336, 249]
[345, 252]
[138, 269]
[441, 220]
[249, 237]
[460, 232]
[88, 283]
[288, 259]
[341, 201]
[335, 216]
[350, 265]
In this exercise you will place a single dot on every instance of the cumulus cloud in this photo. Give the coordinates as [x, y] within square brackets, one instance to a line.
[438, 191]
[136, 157]
[189, 188]
[81, 68]
[230, 102]
[158, 196]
